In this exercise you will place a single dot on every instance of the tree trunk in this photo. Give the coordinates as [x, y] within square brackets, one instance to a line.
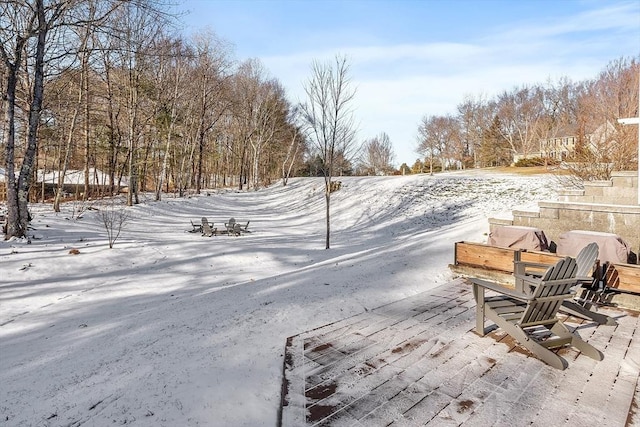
[132, 112]
[327, 196]
[67, 156]
[13, 229]
[84, 85]
[26, 172]
[290, 158]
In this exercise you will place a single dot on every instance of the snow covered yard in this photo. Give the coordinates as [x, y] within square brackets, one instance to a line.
[171, 328]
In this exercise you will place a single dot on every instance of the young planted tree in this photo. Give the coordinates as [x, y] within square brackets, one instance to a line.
[114, 217]
[328, 119]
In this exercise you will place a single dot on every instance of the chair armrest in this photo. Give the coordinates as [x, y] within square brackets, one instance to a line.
[526, 283]
[501, 289]
[585, 280]
[533, 264]
[528, 279]
[520, 267]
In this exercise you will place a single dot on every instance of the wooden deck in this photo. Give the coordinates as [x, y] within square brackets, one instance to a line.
[418, 362]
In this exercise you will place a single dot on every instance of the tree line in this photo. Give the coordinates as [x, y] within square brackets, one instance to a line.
[104, 85]
[492, 132]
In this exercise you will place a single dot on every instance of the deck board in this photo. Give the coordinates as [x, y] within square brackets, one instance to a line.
[418, 361]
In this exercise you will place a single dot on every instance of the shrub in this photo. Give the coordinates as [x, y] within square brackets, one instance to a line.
[535, 161]
[114, 219]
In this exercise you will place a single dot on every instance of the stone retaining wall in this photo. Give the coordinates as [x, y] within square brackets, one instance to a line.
[621, 189]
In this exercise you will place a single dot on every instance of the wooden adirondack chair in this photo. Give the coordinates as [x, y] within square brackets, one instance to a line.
[586, 262]
[235, 228]
[195, 228]
[588, 276]
[531, 318]
[207, 229]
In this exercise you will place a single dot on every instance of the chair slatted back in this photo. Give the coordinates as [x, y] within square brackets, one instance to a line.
[586, 259]
[206, 227]
[554, 288]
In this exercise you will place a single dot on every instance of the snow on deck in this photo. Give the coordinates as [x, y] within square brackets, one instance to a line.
[417, 361]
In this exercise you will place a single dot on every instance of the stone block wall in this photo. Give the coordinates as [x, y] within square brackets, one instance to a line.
[621, 189]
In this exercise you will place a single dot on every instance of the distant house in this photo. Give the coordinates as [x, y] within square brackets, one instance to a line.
[74, 181]
[563, 146]
[560, 147]
[47, 182]
[603, 137]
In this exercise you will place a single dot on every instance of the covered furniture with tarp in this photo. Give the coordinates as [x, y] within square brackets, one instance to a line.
[612, 248]
[518, 237]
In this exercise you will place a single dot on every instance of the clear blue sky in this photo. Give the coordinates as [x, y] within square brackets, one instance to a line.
[412, 58]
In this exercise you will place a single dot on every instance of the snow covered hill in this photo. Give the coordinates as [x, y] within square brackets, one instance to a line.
[170, 328]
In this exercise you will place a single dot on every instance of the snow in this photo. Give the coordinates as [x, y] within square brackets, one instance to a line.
[171, 328]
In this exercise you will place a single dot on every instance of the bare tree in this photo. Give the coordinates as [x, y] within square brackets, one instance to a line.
[521, 114]
[83, 34]
[604, 144]
[474, 116]
[329, 122]
[261, 103]
[171, 80]
[31, 36]
[23, 22]
[296, 145]
[434, 136]
[38, 37]
[211, 101]
[378, 155]
[114, 219]
[139, 28]
[452, 151]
